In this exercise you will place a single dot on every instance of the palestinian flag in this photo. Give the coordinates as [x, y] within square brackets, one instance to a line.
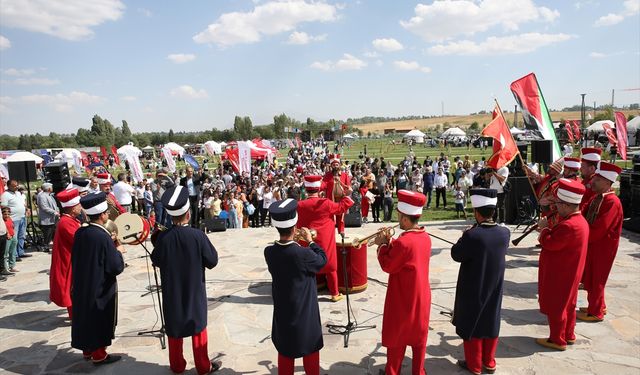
[534, 110]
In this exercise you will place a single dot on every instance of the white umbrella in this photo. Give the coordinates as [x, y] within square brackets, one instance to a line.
[597, 126]
[454, 132]
[175, 148]
[25, 156]
[213, 148]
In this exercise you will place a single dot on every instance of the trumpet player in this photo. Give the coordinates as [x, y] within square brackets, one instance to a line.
[336, 186]
[481, 253]
[296, 330]
[318, 213]
[408, 300]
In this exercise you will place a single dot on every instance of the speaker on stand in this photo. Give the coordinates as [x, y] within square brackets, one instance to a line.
[57, 174]
[542, 152]
[520, 202]
[25, 171]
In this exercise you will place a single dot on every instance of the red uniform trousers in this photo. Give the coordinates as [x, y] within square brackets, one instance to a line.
[395, 356]
[364, 207]
[177, 362]
[69, 308]
[595, 297]
[479, 352]
[562, 326]
[311, 363]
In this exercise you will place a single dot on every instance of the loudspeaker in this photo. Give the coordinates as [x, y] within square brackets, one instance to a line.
[353, 219]
[215, 225]
[542, 151]
[57, 174]
[520, 202]
[305, 136]
[515, 167]
[22, 171]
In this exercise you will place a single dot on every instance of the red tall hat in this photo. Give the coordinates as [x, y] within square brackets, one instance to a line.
[572, 163]
[570, 191]
[411, 202]
[335, 158]
[608, 171]
[68, 198]
[104, 178]
[591, 154]
[312, 182]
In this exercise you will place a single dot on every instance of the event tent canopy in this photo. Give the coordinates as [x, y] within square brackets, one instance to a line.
[453, 132]
[213, 148]
[148, 148]
[633, 125]
[414, 133]
[68, 155]
[128, 148]
[597, 126]
[516, 131]
[175, 148]
[24, 156]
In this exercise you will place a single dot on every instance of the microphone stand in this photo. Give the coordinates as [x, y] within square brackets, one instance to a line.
[160, 333]
[345, 330]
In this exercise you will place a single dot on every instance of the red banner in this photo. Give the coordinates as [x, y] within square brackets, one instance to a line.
[569, 130]
[608, 130]
[576, 130]
[621, 131]
[114, 151]
[103, 151]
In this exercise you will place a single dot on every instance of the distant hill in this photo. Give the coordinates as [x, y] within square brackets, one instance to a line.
[430, 124]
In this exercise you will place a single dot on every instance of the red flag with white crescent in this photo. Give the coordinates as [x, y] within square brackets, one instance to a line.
[608, 130]
[504, 147]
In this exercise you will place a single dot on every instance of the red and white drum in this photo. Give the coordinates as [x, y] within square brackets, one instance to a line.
[132, 229]
[356, 266]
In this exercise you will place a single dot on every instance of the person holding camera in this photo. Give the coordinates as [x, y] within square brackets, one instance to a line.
[497, 180]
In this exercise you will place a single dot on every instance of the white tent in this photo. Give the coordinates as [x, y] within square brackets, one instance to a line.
[597, 126]
[516, 131]
[174, 147]
[148, 148]
[453, 132]
[632, 129]
[213, 148]
[25, 156]
[68, 155]
[415, 135]
[348, 136]
[128, 148]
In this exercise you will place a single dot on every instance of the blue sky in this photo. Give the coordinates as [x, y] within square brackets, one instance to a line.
[195, 65]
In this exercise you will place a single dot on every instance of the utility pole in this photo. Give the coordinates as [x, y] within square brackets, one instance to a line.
[613, 93]
[515, 115]
[583, 113]
[594, 110]
[443, 108]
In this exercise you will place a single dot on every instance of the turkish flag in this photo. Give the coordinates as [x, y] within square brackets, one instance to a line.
[621, 131]
[608, 130]
[504, 147]
[569, 130]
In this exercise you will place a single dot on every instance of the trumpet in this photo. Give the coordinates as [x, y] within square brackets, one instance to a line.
[387, 231]
[299, 234]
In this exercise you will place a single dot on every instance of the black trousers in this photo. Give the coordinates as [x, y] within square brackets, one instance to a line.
[441, 192]
[387, 208]
[375, 209]
[47, 233]
[193, 203]
[498, 215]
[3, 246]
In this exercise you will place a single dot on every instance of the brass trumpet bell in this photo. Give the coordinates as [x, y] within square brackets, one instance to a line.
[299, 234]
[388, 231]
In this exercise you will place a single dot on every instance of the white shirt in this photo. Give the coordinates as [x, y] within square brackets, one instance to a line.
[440, 181]
[123, 192]
[267, 200]
[503, 172]
[16, 202]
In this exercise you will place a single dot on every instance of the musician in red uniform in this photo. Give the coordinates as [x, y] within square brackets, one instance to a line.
[408, 300]
[60, 272]
[332, 192]
[318, 213]
[115, 209]
[561, 265]
[588, 165]
[604, 215]
[571, 169]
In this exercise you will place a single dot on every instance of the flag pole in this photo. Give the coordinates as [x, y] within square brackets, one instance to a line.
[524, 163]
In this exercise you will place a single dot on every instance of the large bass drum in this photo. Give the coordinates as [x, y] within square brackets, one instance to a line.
[132, 229]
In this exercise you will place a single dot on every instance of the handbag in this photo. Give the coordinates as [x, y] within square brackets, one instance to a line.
[250, 209]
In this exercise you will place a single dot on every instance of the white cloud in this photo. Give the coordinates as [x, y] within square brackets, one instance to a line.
[632, 7]
[411, 65]
[266, 19]
[188, 92]
[35, 81]
[5, 104]
[63, 102]
[129, 98]
[444, 20]
[597, 55]
[387, 45]
[609, 20]
[4, 43]
[298, 37]
[181, 58]
[18, 72]
[513, 44]
[70, 20]
[347, 62]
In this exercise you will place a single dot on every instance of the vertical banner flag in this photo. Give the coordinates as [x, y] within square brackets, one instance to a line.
[114, 151]
[171, 164]
[621, 131]
[569, 130]
[608, 130]
[132, 156]
[192, 161]
[298, 142]
[504, 147]
[244, 157]
[534, 110]
[103, 151]
[576, 130]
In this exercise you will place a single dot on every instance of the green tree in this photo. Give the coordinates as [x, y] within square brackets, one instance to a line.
[171, 135]
[247, 128]
[125, 129]
[279, 123]
[24, 142]
[264, 132]
[474, 126]
[84, 137]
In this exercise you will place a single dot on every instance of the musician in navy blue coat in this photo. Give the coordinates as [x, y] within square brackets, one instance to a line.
[296, 329]
[182, 253]
[481, 253]
[95, 263]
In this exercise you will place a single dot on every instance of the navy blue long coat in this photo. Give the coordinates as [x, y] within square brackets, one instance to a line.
[296, 329]
[182, 253]
[481, 252]
[95, 263]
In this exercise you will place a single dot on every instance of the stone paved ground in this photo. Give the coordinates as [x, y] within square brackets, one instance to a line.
[35, 337]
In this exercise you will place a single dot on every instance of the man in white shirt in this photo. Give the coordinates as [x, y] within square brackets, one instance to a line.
[498, 180]
[16, 201]
[440, 182]
[123, 192]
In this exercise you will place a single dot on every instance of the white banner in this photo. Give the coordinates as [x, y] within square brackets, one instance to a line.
[131, 156]
[77, 163]
[171, 164]
[244, 157]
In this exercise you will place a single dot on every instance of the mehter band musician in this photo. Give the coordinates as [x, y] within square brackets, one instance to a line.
[114, 209]
[481, 253]
[564, 250]
[571, 169]
[60, 272]
[588, 165]
[408, 301]
[318, 213]
[95, 264]
[336, 185]
[182, 253]
[296, 329]
[604, 215]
